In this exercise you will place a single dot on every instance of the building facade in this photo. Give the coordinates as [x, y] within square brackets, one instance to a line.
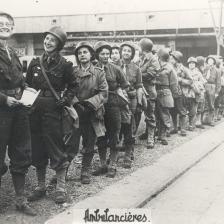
[190, 31]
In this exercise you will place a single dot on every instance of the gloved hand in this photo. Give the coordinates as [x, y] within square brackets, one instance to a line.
[79, 108]
[62, 102]
[88, 107]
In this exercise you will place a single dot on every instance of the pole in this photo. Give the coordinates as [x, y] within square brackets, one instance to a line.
[220, 28]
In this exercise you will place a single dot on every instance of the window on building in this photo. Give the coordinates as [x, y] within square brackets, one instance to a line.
[100, 19]
[54, 22]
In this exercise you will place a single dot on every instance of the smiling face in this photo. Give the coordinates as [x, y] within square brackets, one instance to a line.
[191, 65]
[104, 55]
[115, 55]
[126, 53]
[51, 43]
[211, 61]
[6, 28]
[84, 55]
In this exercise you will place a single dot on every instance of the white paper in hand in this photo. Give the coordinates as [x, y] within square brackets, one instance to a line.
[29, 96]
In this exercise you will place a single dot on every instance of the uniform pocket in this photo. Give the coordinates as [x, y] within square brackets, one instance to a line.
[57, 74]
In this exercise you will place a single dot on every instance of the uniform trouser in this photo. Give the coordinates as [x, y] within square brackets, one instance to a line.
[209, 103]
[47, 140]
[221, 100]
[129, 139]
[150, 113]
[15, 133]
[137, 115]
[179, 108]
[200, 111]
[72, 147]
[192, 106]
[221, 97]
[87, 132]
[163, 118]
[112, 119]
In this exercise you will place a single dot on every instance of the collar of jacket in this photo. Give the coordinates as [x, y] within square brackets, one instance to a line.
[122, 63]
[4, 56]
[88, 72]
[52, 58]
[103, 66]
[163, 65]
[148, 56]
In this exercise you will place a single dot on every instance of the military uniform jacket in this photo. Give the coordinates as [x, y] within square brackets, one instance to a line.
[149, 67]
[167, 85]
[92, 87]
[133, 76]
[115, 79]
[184, 80]
[213, 76]
[59, 72]
[198, 85]
[11, 75]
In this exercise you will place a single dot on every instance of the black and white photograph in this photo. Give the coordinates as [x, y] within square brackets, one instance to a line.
[111, 111]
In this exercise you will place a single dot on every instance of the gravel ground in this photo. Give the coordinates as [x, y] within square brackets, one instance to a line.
[47, 208]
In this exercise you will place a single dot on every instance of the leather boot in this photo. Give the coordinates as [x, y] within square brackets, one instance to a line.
[132, 154]
[211, 118]
[113, 162]
[86, 166]
[21, 202]
[183, 126]
[175, 128]
[127, 158]
[198, 121]
[150, 139]
[144, 136]
[103, 168]
[40, 190]
[60, 194]
[216, 114]
[163, 136]
[191, 125]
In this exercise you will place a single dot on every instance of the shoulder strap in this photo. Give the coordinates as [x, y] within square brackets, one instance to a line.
[48, 81]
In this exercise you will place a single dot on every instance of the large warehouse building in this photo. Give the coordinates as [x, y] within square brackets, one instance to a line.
[190, 31]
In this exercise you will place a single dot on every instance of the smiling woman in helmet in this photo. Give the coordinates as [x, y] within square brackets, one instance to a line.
[46, 126]
[196, 92]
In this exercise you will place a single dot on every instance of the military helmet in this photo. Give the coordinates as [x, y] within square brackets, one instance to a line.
[178, 56]
[58, 32]
[131, 45]
[7, 15]
[99, 46]
[163, 54]
[146, 44]
[192, 59]
[115, 46]
[212, 57]
[84, 44]
[200, 60]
